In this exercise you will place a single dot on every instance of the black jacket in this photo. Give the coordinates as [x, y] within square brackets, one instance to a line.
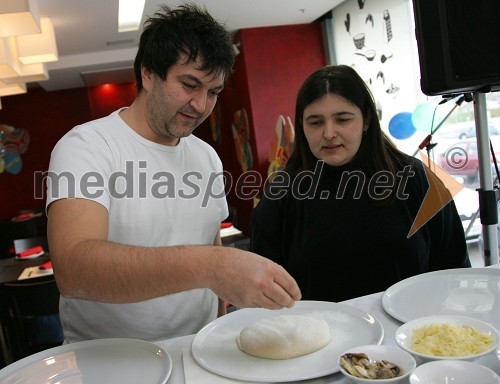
[347, 246]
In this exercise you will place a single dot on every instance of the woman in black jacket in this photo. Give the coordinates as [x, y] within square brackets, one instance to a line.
[338, 217]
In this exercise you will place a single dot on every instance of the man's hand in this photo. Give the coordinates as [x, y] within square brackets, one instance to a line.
[248, 280]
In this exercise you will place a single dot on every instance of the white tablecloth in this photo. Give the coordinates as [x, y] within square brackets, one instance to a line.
[370, 303]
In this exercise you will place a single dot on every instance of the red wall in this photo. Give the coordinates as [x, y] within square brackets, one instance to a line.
[268, 72]
[47, 116]
[273, 63]
[107, 98]
[278, 60]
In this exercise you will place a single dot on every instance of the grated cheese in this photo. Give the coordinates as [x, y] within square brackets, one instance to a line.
[450, 340]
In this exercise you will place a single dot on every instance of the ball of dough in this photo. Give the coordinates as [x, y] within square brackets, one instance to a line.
[284, 336]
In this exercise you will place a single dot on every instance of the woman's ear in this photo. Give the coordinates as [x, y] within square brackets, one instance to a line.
[366, 122]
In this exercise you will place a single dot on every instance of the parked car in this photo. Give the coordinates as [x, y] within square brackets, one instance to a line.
[471, 132]
[461, 159]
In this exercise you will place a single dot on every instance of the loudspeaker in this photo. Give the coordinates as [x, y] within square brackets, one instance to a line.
[458, 45]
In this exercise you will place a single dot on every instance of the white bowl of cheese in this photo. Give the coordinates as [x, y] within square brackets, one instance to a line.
[447, 337]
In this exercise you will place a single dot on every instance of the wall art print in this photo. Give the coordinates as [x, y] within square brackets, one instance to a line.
[241, 135]
[214, 119]
[281, 144]
[376, 38]
[13, 143]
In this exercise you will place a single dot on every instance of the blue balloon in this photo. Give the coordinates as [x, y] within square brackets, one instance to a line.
[401, 126]
[422, 117]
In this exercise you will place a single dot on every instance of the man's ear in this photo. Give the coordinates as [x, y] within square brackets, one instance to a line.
[147, 78]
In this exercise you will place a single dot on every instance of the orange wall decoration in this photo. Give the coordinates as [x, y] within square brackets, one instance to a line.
[281, 145]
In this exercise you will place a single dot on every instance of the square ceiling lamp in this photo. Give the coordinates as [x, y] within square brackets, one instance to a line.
[130, 15]
[19, 17]
[9, 65]
[12, 89]
[29, 73]
[38, 47]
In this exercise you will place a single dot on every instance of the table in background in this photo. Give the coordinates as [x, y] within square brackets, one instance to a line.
[11, 268]
[370, 303]
[237, 241]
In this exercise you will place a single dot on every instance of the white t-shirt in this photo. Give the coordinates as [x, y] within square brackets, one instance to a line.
[156, 195]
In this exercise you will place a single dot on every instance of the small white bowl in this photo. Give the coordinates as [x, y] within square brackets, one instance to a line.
[453, 371]
[390, 353]
[404, 335]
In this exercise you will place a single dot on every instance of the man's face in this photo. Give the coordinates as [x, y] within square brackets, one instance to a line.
[176, 106]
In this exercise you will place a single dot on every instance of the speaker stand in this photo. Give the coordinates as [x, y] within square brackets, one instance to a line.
[487, 195]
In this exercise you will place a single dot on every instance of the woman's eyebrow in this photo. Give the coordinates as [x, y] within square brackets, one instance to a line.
[316, 115]
[343, 113]
[313, 116]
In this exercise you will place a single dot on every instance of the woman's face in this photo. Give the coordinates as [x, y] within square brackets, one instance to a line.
[333, 127]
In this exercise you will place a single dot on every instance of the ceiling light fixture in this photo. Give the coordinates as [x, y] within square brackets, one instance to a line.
[8, 59]
[19, 17]
[130, 15]
[38, 47]
[27, 42]
[12, 89]
[29, 73]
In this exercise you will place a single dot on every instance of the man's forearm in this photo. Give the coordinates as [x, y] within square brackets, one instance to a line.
[102, 271]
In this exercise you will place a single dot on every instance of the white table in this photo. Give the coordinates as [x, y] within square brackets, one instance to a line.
[370, 303]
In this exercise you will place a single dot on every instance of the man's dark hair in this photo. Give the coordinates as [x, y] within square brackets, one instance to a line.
[187, 30]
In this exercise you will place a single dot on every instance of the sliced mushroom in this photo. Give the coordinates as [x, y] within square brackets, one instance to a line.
[359, 365]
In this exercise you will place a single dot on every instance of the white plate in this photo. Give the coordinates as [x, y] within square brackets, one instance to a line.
[110, 361]
[215, 348]
[453, 371]
[472, 292]
[33, 256]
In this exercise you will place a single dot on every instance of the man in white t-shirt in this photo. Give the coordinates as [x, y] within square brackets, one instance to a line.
[135, 201]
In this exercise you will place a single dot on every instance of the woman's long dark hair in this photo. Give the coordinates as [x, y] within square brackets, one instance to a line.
[376, 152]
